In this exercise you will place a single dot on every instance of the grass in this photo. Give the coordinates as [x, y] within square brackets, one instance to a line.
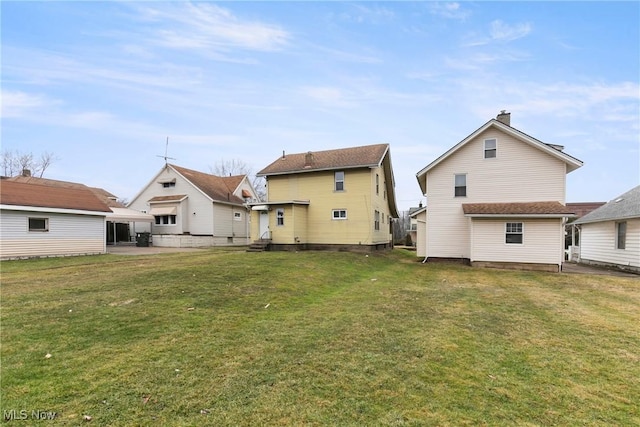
[224, 337]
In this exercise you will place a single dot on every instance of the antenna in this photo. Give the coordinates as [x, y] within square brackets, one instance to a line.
[166, 148]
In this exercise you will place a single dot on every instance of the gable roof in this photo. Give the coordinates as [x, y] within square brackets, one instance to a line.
[217, 188]
[342, 158]
[27, 194]
[551, 149]
[106, 197]
[625, 206]
[546, 209]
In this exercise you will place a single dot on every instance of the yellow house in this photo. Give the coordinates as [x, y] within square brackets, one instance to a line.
[340, 199]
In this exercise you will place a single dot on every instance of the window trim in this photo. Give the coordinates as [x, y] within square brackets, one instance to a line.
[377, 184]
[621, 243]
[160, 220]
[520, 233]
[31, 229]
[237, 216]
[455, 186]
[490, 150]
[336, 181]
[376, 220]
[280, 217]
[339, 212]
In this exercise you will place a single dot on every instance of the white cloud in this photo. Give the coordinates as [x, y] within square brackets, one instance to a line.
[449, 10]
[17, 104]
[504, 32]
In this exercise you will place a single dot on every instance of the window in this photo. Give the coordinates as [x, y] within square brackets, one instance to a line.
[514, 233]
[460, 185]
[237, 216]
[376, 220]
[339, 214]
[621, 235]
[168, 184]
[279, 216]
[165, 219]
[377, 184]
[38, 224]
[339, 181]
[490, 148]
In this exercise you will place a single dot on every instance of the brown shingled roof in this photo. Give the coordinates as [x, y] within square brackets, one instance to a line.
[343, 158]
[78, 197]
[216, 187]
[174, 198]
[529, 208]
[106, 197]
[580, 209]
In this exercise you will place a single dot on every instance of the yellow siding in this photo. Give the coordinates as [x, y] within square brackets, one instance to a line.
[359, 199]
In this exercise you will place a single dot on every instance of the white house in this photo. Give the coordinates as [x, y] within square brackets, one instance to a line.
[610, 235]
[40, 220]
[497, 198]
[195, 209]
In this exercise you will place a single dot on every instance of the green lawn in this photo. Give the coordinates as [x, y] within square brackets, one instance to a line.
[224, 337]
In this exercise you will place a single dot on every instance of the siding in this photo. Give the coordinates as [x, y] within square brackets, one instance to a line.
[423, 237]
[358, 198]
[598, 243]
[519, 173]
[542, 241]
[68, 234]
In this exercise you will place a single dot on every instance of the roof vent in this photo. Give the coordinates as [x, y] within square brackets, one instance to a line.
[308, 160]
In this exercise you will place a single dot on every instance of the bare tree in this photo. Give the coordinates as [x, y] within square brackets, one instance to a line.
[15, 163]
[238, 167]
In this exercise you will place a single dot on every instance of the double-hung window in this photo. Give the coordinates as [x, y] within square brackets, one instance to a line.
[280, 216]
[376, 220]
[339, 181]
[514, 233]
[377, 184]
[621, 235]
[490, 148]
[460, 185]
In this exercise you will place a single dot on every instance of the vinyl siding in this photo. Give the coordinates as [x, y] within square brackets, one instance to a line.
[421, 232]
[358, 199]
[598, 243]
[68, 234]
[519, 173]
[542, 241]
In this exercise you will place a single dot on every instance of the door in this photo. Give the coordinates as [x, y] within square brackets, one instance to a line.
[264, 225]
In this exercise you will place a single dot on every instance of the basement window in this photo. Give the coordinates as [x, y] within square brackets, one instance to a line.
[38, 224]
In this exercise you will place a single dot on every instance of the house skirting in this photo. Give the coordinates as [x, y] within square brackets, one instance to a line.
[552, 268]
[195, 241]
[629, 268]
[328, 247]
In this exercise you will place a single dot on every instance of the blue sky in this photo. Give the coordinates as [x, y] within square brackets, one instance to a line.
[102, 85]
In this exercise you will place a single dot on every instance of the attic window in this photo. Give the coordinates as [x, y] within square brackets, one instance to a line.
[490, 148]
[168, 184]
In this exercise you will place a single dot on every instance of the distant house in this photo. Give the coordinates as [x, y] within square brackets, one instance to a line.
[610, 234]
[341, 199]
[196, 209]
[119, 220]
[418, 217]
[496, 198]
[41, 220]
[572, 231]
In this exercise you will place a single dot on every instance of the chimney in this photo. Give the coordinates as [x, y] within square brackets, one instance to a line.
[308, 159]
[504, 117]
[26, 172]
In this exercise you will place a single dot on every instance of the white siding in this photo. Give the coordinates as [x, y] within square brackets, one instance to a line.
[519, 173]
[69, 234]
[421, 232]
[598, 243]
[223, 220]
[542, 241]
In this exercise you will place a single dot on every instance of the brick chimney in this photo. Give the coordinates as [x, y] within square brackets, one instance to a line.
[504, 117]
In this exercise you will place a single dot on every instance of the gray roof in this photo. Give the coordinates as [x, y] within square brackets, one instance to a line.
[625, 206]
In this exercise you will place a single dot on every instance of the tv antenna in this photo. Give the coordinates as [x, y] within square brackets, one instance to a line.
[166, 148]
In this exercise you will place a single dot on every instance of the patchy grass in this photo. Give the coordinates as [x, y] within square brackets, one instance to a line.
[315, 338]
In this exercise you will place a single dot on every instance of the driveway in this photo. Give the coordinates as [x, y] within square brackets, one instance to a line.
[145, 250]
[574, 268]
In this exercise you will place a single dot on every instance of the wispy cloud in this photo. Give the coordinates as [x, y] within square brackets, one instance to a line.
[17, 104]
[452, 10]
[501, 31]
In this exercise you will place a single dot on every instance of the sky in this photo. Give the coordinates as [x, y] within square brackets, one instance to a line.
[103, 85]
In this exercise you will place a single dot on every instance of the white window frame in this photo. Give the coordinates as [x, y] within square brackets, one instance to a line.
[376, 220]
[339, 214]
[519, 230]
[621, 243]
[237, 216]
[38, 230]
[280, 217]
[455, 186]
[166, 220]
[339, 181]
[493, 150]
